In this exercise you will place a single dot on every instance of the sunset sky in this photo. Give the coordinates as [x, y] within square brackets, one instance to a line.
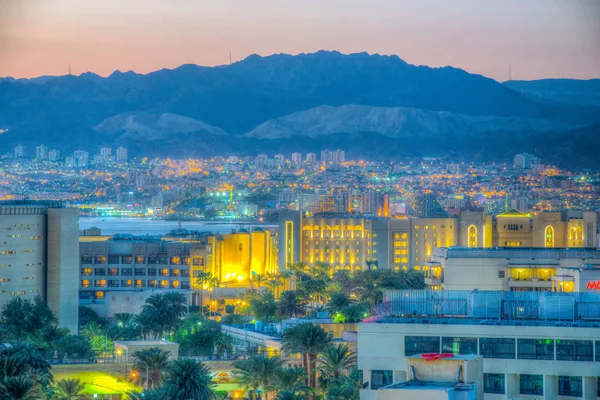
[540, 38]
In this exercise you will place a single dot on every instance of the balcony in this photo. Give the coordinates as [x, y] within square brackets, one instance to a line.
[529, 283]
[433, 281]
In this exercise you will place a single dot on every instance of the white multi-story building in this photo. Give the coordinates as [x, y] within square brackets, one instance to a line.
[534, 345]
[311, 158]
[81, 158]
[297, 158]
[41, 152]
[339, 156]
[19, 151]
[122, 154]
[279, 159]
[39, 251]
[53, 155]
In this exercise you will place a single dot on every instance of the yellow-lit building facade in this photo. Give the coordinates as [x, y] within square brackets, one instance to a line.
[357, 243]
[118, 273]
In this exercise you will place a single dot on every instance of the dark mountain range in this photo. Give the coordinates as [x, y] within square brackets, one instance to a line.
[193, 110]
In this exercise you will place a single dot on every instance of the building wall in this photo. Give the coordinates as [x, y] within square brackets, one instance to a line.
[63, 265]
[506, 269]
[38, 256]
[382, 347]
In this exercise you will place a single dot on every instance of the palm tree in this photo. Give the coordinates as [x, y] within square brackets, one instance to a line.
[321, 268]
[160, 393]
[298, 269]
[124, 319]
[91, 330]
[69, 389]
[203, 278]
[291, 380]
[189, 380]
[258, 279]
[20, 388]
[177, 307]
[287, 395]
[290, 305]
[155, 360]
[371, 293]
[223, 343]
[258, 371]
[309, 340]
[338, 302]
[336, 360]
[273, 282]
[346, 387]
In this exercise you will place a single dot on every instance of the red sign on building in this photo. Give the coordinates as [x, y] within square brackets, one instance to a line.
[591, 285]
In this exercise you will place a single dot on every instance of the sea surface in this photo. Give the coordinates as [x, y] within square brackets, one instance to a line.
[143, 226]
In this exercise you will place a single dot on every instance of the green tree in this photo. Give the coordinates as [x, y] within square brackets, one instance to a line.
[73, 346]
[223, 343]
[287, 395]
[336, 359]
[257, 279]
[155, 361]
[371, 293]
[160, 393]
[321, 269]
[69, 389]
[309, 340]
[290, 305]
[292, 380]
[258, 372]
[20, 388]
[23, 372]
[346, 387]
[188, 379]
[338, 302]
[263, 306]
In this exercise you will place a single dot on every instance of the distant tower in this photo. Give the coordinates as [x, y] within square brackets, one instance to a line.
[229, 58]
[70, 68]
[509, 72]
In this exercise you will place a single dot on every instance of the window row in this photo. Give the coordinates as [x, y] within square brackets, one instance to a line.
[505, 348]
[136, 272]
[111, 259]
[114, 283]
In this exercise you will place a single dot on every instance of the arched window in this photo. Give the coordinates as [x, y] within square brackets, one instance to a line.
[549, 235]
[472, 234]
[579, 233]
[572, 233]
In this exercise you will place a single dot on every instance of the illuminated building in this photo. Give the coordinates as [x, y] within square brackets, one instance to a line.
[53, 155]
[297, 158]
[515, 228]
[339, 156]
[311, 158]
[327, 157]
[41, 152]
[427, 206]
[19, 151]
[279, 159]
[122, 154]
[533, 345]
[515, 269]
[38, 256]
[354, 243]
[409, 243]
[119, 274]
[524, 160]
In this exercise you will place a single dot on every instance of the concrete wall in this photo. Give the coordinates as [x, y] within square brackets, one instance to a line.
[63, 266]
[23, 256]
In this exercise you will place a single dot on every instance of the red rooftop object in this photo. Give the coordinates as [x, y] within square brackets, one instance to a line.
[436, 356]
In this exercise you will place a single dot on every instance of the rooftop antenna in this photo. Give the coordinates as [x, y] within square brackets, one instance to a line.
[509, 72]
[70, 68]
[230, 58]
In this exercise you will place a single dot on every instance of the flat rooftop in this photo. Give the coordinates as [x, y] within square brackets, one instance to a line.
[574, 253]
[428, 385]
